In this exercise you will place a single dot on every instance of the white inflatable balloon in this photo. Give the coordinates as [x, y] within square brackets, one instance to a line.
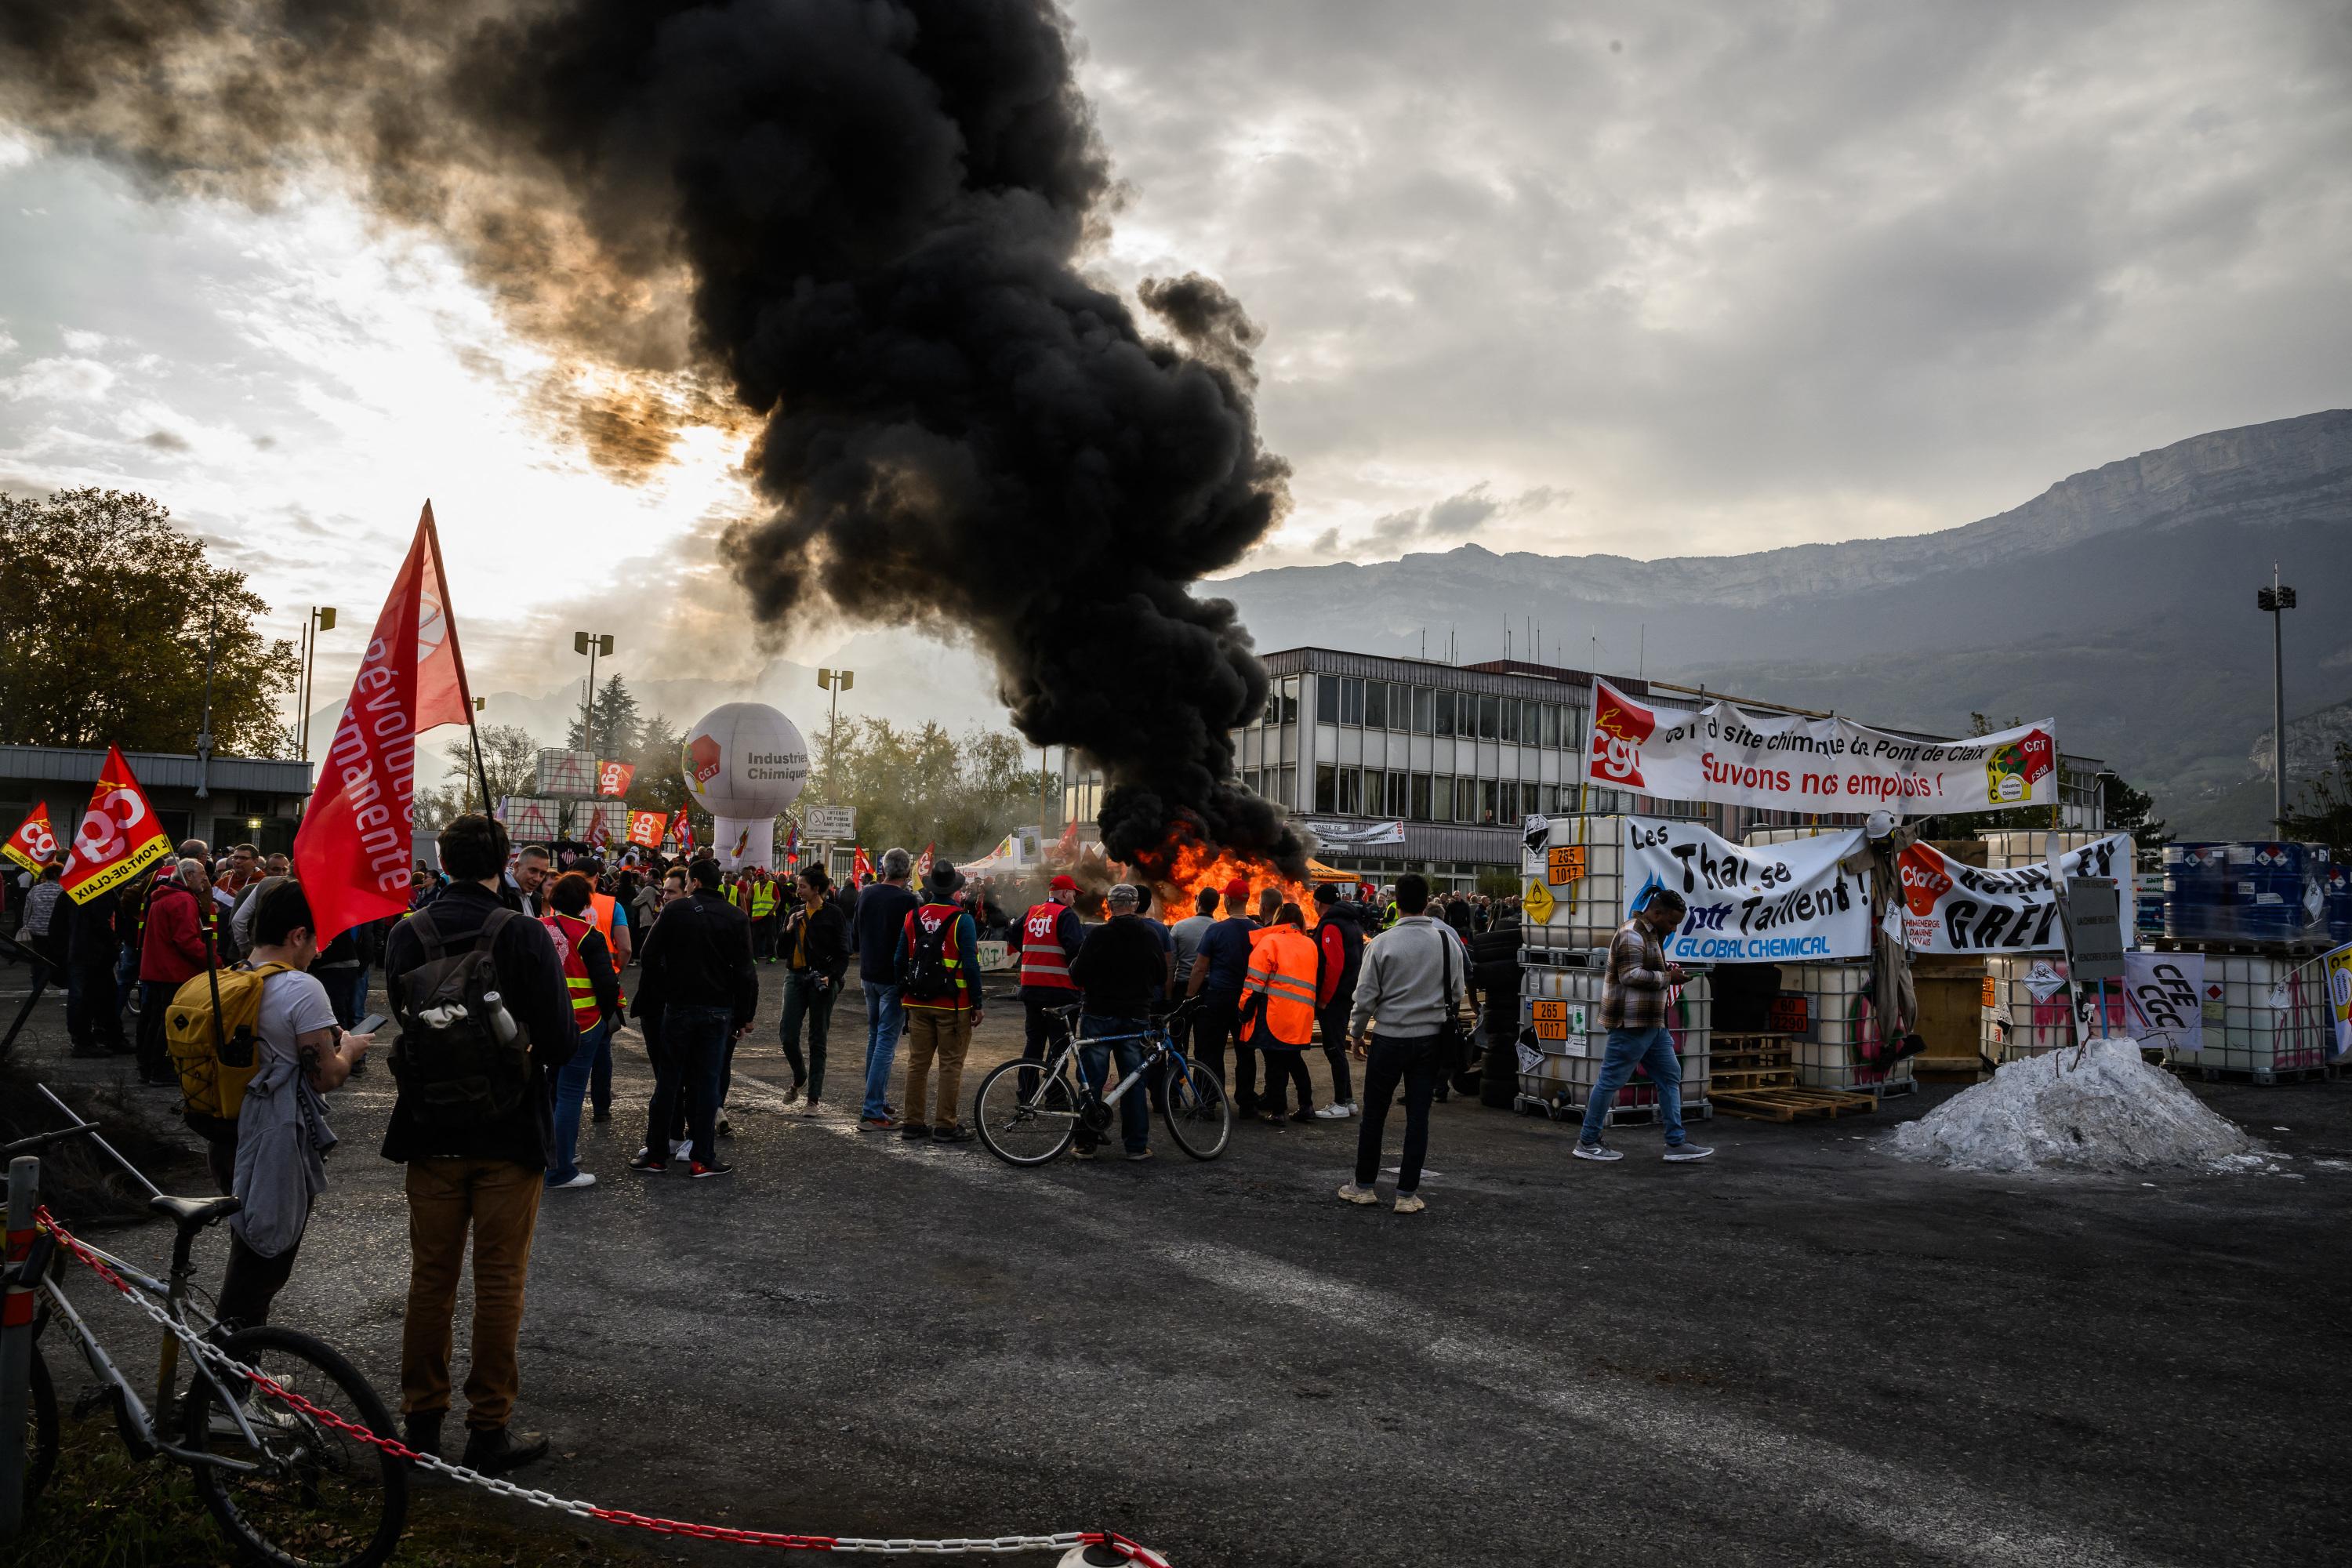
[744, 762]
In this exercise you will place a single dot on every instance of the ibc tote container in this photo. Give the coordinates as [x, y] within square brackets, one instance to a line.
[2037, 1024]
[2275, 1018]
[1586, 912]
[1566, 1002]
[1839, 1024]
[560, 771]
[2006, 849]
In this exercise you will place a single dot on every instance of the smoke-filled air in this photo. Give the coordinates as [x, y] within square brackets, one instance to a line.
[854, 227]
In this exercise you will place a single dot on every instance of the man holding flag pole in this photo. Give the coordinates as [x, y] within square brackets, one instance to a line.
[478, 994]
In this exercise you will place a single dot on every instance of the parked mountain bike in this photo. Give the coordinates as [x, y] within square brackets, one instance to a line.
[1028, 1114]
[286, 1487]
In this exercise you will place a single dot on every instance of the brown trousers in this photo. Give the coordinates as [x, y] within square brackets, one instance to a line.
[497, 1200]
[945, 1034]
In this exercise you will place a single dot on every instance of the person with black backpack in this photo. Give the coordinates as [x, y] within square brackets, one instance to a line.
[484, 1017]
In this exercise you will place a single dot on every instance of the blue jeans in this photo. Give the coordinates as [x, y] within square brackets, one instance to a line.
[1093, 1062]
[570, 1087]
[884, 1019]
[1652, 1050]
[697, 1037]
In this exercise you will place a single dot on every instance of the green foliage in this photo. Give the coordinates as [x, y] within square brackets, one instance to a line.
[922, 786]
[104, 636]
[618, 731]
[2322, 811]
[511, 757]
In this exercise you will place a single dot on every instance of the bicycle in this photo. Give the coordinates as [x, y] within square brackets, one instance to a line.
[288, 1488]
[1028, 1112]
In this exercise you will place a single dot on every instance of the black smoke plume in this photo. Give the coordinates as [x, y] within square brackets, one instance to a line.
[862, 222]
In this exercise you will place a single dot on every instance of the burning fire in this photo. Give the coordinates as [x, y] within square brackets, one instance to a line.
[1191, 864]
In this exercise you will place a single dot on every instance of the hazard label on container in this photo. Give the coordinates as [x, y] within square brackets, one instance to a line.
[1557, 1020]
[1992, 993]
[1537, 902]
[1788, 1015]
[1564, 865]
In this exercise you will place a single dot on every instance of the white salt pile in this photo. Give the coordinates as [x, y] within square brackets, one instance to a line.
[2098, 1108]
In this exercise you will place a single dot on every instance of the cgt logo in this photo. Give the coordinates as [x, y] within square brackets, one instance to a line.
[702, 760]
[1924, 880]
[1619, 728]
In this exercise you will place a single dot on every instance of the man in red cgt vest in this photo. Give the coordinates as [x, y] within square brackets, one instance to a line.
[1049, 937]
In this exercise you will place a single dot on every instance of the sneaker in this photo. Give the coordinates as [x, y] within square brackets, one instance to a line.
[1410, 1202]
[1356, 1195]
[502, 1448]
[581, 1180]
[809, 1109]
[1136, 1155]
[915, 1131]
[715, 1168]
[1302, 1114]
[1271, 1118]
[959, 1133]
[1596, 1152]
[1683, 1153]
[681, 1148]
[647, 1159]
[1081, 1151]
[603, 1115]
[1335, 1111]
[793, 1094]
[877, 1123]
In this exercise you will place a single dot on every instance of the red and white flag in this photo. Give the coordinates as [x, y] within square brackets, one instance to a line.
[119, 835]
[864, 865]
[613, 778]
[352, 853]
[34, 843]
[923, 866]
[646, 828]
[682, 829]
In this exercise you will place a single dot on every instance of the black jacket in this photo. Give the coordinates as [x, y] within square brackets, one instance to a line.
[882, 912]
[698, 954]
[530, 984]
[828, 939]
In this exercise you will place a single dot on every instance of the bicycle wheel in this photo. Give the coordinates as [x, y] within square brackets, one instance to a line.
[321, 1497]
[1200, 1117]
[40, 1430]
[1025, 1130]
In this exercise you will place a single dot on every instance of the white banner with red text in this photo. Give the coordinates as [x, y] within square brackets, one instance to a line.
[1787, 761]
[1952, 907]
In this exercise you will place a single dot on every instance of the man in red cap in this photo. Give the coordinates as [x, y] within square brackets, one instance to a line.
[1220, 969]
[1046, 941]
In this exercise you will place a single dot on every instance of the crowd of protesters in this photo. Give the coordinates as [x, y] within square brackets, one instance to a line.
[570, 948]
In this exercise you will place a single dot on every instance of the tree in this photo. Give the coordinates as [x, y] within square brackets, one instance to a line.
[2132, 811]
[659, 783]
[918, 787]
[618, 730]
[2322, 811]
[511, 757]
[104, 639]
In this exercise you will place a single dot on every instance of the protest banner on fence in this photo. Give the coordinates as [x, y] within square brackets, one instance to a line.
[1951, 906]
[2164, 1001]
[1782, 904]
[1787, 761]
[1357, 835]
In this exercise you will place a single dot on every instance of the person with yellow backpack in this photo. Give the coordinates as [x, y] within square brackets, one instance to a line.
[257, 1049]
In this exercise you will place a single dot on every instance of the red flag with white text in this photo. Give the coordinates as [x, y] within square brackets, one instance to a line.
[613, 778]
[119, 835]
[34, 843]
[353, 853]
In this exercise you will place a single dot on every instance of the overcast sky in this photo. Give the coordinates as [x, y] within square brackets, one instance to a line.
[1664, 278]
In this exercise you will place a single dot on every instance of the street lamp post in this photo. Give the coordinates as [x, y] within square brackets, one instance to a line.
[2276, 600]
[321, 618]
[592, 644]
[835, 681]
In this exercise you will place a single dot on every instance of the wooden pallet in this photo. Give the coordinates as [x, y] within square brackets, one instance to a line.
[1789, 1104]
[1742, 1079]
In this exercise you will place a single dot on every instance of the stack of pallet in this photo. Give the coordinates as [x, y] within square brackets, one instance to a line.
[1754, 1077]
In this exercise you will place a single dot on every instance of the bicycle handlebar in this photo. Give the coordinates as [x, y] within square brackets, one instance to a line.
[80, 1129]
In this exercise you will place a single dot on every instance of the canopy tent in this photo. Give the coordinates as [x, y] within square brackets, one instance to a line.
[1318, 872]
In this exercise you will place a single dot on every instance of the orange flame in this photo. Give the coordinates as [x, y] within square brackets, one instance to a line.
[1191, 863]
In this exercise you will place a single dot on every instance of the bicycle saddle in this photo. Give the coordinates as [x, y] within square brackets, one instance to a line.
[194, 1214]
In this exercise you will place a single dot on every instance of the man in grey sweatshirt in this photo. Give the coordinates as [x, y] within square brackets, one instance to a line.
[1411, 984]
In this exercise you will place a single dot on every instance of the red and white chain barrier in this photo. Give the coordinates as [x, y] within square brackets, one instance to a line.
[1066, 1542]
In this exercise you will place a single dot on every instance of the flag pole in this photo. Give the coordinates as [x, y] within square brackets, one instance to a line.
[449, 619]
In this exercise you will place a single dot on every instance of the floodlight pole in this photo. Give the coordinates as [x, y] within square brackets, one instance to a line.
[2276, 600]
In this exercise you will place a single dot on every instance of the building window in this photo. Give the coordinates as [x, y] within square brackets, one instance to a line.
[1352, 701]
[1423, 705]
[1287, 792]
[1465, 800]
[1419, 810]
[1327, 699]
[1444, 706]
[1290, 698]
[1487, 800]
[1550, 725]
[1509, 730]
[1349, 778]
[1375, 705]
[1326, 787]
[1488, 719]
[1373, 787]
[1507, 802]
[1400, 788]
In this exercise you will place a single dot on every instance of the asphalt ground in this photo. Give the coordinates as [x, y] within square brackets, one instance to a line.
[1802, 1350]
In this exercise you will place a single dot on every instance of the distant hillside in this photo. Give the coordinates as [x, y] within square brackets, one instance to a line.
[2120, 600]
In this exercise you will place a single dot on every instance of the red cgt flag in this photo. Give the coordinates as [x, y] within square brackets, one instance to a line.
[34, 843]
[352, 852]
[119, 835]
[682, 829]
[613, 778]
[646, 828]
[864, 865]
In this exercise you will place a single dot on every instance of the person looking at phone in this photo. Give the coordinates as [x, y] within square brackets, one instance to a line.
[282, 1135]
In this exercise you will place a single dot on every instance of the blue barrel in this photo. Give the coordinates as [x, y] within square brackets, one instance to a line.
[2196, 905]
[2337, 882]
[2270, 883]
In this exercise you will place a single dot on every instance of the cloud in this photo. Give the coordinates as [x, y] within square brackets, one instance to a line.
[1449, 521]
[7, 343]
[82, 342]
[167, 441]
[59, 379]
